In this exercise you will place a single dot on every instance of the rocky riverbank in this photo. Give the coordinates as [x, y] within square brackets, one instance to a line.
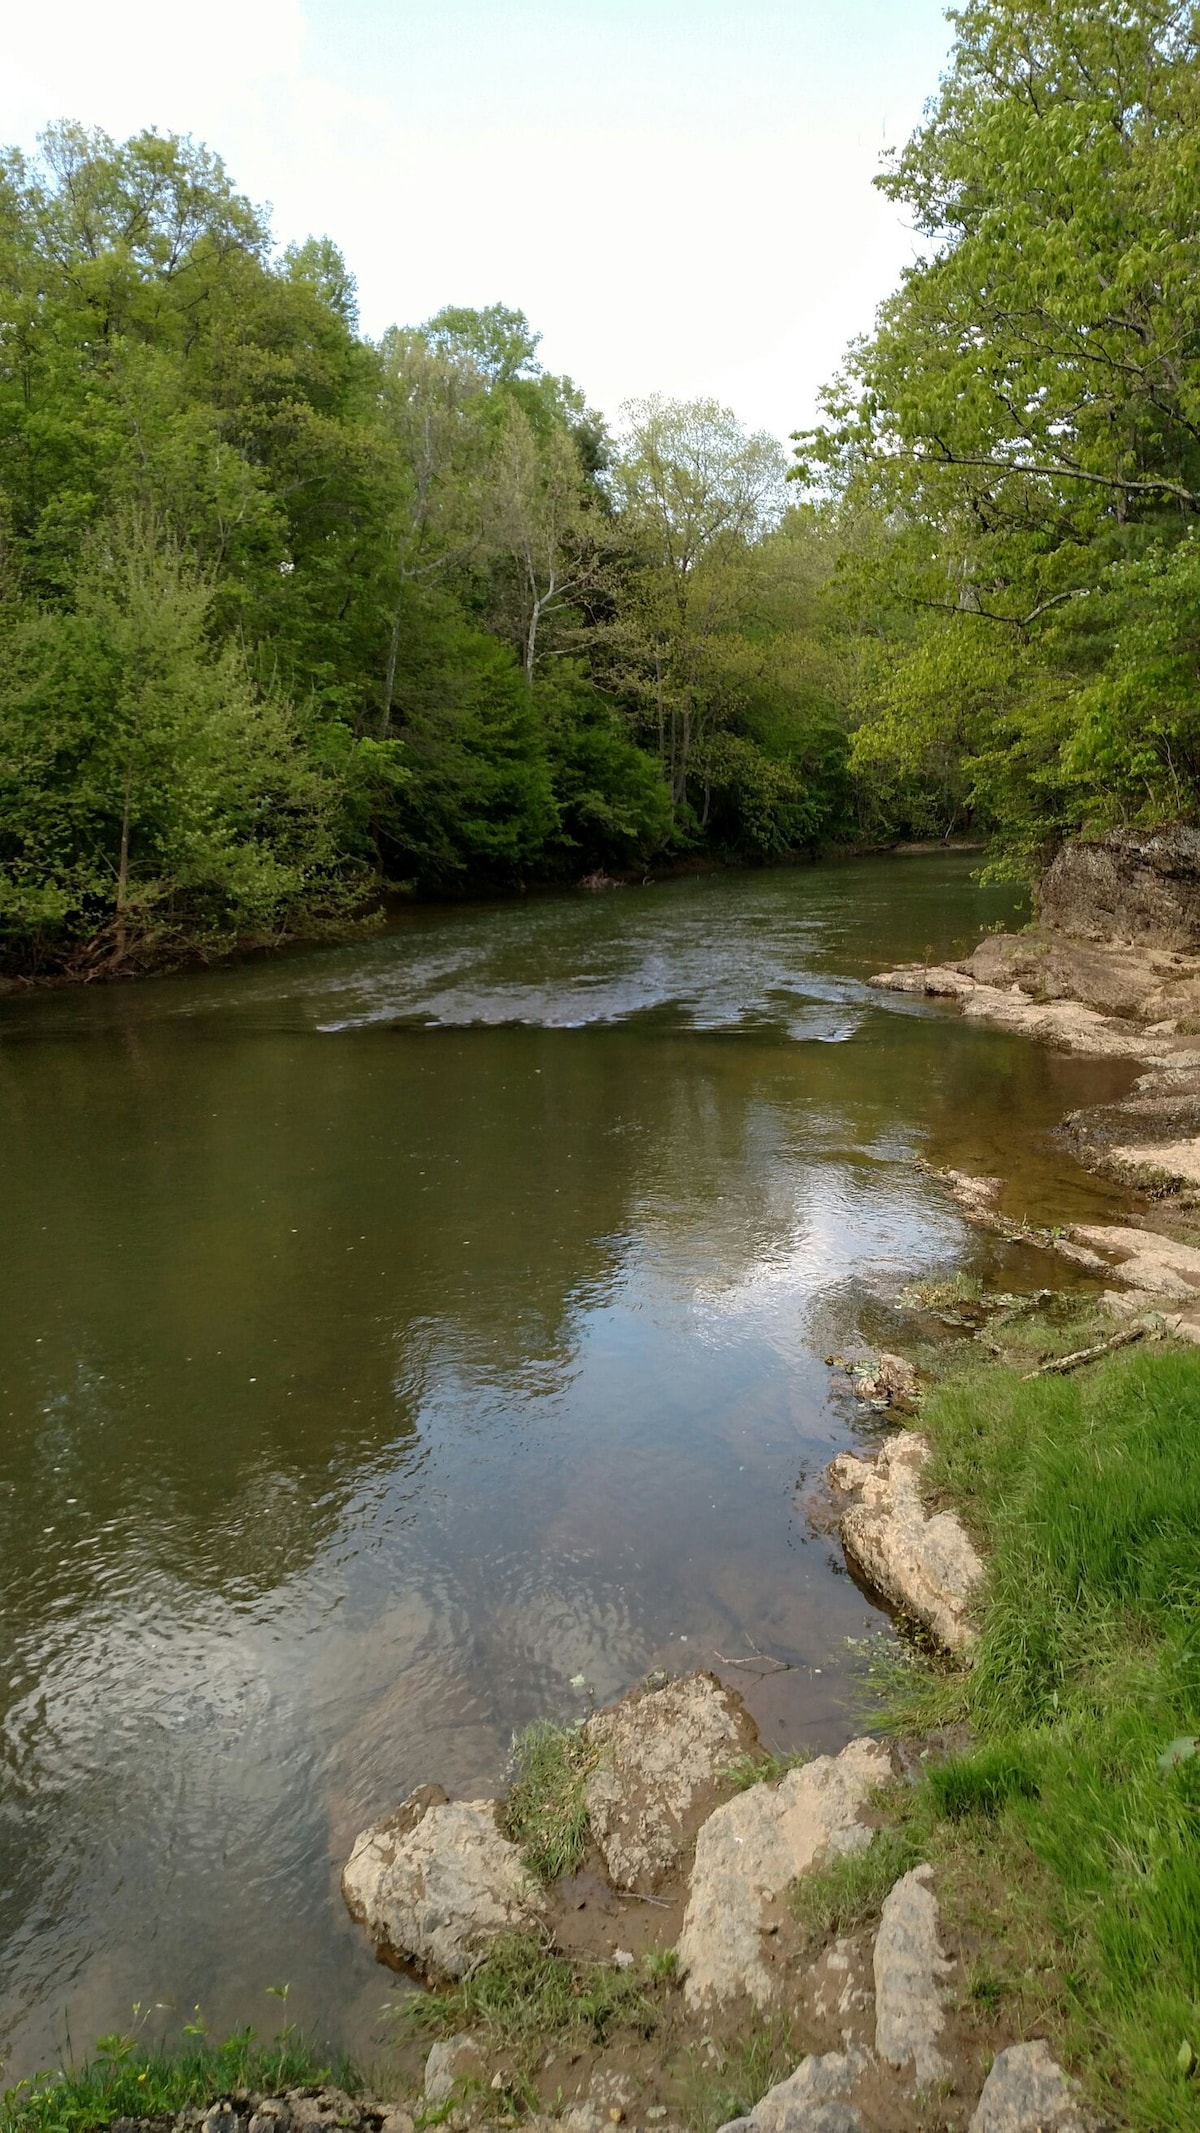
[1111, 967]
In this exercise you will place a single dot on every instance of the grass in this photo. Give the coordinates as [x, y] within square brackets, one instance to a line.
[524, 1994]
[850, 1891]
[728, 2083]
[546, 1812]
[125, 2080]
[1085, 1494]
[762, 1769]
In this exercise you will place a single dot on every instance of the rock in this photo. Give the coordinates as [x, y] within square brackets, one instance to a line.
[892, 1381]
[812, 2100]
[1126, 886]
[923, 1562]
[436, 1882]
[976, 1195]
[397, 2122]
[609, 2096]
[909, 1968]
[1027, 2092]
[270, 2118]
[1173, 1159]
[751, 1849]
[1143, 1259]
[450, 2060]
[660, 1754]
[223, 2118]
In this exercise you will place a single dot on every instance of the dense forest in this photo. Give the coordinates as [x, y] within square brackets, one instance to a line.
[290, 618]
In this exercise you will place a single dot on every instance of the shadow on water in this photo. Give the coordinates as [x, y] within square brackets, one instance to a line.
[401, 1340]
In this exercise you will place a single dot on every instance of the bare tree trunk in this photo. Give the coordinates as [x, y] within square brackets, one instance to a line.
[123, 871]
[389, 686]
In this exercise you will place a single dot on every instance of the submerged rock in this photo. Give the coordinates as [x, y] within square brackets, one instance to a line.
[436, 1882]
[812, 2100]
[749, 1852]
[923, 1562]
[660, 1752]
[1027, 2092]
[892, 1381]
[909, 1971]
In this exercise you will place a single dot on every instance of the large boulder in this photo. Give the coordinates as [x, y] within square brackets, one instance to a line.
[750, 1851]
[1127, 886]
[436, 1882]
[909, 1972]
[660, 1755]
[923, 1562]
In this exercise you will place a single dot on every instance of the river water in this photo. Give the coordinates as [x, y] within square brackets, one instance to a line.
[405, 1339]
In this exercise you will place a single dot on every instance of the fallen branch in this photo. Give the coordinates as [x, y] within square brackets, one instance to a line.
[1059, 1365]
[762, 1662]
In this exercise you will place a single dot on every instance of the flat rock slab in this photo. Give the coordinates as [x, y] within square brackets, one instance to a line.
[1142, 1259]
[909, 1972]
[750, 1851]
[436, 1882]
[1027, 2092]
[661, 1753]
[812, 2100]
[924, 1563]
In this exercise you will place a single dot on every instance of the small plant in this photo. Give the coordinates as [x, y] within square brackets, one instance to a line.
[124, 2080]
[546, 1813]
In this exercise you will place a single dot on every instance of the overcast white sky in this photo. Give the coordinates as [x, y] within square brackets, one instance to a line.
[678, 195]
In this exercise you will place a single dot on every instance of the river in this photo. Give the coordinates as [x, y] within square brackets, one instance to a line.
[404, 1339]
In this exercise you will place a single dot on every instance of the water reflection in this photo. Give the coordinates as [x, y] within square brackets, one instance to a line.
[391, 1335]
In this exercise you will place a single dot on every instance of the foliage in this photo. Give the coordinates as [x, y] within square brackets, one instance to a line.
[1015, 449]
[126, 2081]
[286, 615]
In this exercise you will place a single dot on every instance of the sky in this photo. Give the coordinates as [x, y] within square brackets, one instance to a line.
[678, 196]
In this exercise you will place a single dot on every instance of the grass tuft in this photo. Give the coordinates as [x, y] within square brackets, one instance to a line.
[524, 1993]
[850, 1890]
[762, 1769]
[546, 1811]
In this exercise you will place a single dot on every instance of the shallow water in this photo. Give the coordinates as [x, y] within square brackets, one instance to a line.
[402, 1340]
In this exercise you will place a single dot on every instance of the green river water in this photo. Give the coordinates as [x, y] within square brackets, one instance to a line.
[393, 1334]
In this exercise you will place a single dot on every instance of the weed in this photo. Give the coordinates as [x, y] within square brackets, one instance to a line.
[546, 1813]
[981, 1784]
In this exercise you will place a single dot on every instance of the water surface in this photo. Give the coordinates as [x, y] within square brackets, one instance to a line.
[401, 1340]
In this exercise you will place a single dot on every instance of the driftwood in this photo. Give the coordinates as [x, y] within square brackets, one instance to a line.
[1059, 1365]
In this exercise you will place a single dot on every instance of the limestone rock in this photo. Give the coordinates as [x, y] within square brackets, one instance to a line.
[660, 1753]
[1027, 2092]
[812, 2100]
[436, 1882]
[909, 1969]
[451, 2059]
[891, 1380]
[751, 1849]
[923, 1563]
[1126, 886]
[1143, 1259]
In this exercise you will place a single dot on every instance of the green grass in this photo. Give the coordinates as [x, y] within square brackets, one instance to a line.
[546, 1812]
[850, 1891]
[124, 2080]
[525, 1993]
[1085, 1493]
